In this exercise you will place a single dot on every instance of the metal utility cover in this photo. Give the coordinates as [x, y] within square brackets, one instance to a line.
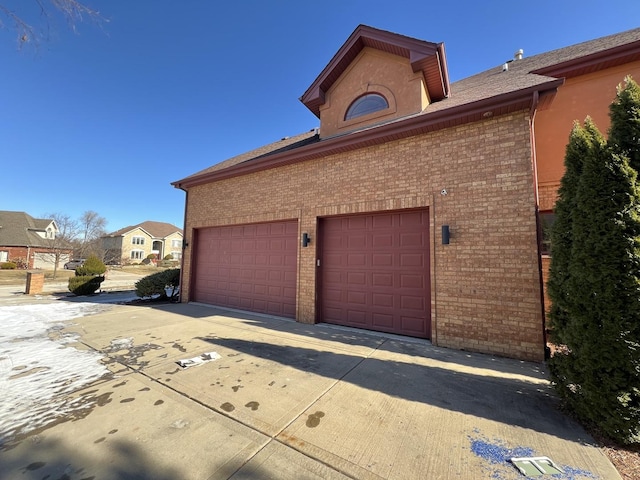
[536, 466]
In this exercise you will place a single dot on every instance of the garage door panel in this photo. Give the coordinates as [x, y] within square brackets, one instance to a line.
[382, 321]
[357, 317]
[375, 272]
[356, 278]
[411, 259]
[251, 267]
[382, 300]
[382, 260]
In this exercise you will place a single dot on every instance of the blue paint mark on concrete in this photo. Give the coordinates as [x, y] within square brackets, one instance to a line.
[497, 454]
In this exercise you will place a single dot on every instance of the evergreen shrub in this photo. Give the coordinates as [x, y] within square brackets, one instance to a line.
[85, 284]
[8, 266]
[158, 284]
[92, 266]
[594, 279]
[88, 277]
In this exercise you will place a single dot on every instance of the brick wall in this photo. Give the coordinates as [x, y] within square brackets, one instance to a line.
[485, 285]
[15, 253]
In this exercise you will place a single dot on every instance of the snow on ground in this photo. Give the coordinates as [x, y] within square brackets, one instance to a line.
[38, 368]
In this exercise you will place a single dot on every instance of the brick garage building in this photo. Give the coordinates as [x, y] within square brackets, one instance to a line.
[413, 209]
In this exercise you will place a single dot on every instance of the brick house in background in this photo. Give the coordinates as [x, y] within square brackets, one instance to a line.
[135, 243]
[413, 209]
[32, 242]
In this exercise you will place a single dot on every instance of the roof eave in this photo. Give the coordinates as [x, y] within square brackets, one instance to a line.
[424, 123]
[578, 66]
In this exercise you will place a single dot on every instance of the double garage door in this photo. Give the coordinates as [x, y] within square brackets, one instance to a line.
[373, 270]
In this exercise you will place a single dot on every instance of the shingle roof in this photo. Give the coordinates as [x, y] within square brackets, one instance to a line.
[18, 229]
[155, 229]
[285, 144]
[543, 72]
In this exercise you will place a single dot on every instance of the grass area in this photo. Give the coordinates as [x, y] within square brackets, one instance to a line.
[140, 269]
[19, 277]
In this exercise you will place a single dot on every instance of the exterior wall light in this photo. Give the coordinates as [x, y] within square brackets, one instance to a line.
[446, 235]
[306, 239]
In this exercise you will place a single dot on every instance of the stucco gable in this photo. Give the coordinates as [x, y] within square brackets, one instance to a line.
[425, 57]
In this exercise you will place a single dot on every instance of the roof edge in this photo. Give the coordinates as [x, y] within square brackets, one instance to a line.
[616, 55]
[422, 123]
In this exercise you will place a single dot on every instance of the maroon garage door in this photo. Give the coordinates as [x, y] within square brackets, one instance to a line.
[374, 272]
[249, 267]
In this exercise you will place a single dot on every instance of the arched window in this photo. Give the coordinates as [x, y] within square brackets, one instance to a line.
[368, 103]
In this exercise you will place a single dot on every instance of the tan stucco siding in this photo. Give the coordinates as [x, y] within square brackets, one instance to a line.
[373, 71]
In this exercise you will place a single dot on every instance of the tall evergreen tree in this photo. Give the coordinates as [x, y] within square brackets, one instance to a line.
[624, 132]
[579, 146]
[599, 372]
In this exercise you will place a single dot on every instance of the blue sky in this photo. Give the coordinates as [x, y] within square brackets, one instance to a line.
[106, 117]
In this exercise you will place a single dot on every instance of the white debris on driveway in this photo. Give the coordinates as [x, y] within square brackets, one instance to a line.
[36, 370]
[199, 360]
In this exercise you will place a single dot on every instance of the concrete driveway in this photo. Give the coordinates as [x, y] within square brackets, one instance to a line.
[272, 398]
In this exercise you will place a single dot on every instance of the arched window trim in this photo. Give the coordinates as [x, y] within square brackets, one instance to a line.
[356, 108]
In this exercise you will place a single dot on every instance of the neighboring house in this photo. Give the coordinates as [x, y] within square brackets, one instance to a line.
[135, 243]
[413, 209]
[31, 242]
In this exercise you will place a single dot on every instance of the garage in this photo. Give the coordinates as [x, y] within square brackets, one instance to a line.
[47, 261]
[374, 272]
[248, 267]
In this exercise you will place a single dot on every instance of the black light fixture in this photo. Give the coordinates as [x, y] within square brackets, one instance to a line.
[306, 239]
[446, 234]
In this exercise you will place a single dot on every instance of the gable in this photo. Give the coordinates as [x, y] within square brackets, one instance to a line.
[373, 72]
[425, 57]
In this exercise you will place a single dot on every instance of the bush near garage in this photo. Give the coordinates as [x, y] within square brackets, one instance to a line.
[158, 284]
[89, 277]
[8, 266]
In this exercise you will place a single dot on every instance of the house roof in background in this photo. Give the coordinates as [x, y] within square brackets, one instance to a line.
[496, 91]
[18, 229]
[155, 229]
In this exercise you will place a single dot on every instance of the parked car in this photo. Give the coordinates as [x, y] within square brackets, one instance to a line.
[73, 264]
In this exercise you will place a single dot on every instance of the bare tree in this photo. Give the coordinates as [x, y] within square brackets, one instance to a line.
[63, 241]
[91, 228]
[27, 31]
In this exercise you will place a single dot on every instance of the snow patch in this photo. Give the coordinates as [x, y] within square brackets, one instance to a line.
[38, 370]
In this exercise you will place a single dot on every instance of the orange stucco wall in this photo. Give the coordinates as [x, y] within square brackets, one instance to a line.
[587, 95]
[376, 72]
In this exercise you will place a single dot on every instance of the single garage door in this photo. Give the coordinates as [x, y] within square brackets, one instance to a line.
[47, 261]
[249, 267]
[374, 272]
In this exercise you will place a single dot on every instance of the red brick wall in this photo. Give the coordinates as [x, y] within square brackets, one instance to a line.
[485, 285]
[16, 253]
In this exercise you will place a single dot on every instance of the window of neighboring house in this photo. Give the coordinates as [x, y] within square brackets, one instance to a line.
[137, 240]
[176, 255]
[4, 256]
[368, 103]
[176, 243]
[546, 223]
[137, 254]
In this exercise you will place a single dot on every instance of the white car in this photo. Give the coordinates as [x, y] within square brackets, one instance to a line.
[73, 264]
